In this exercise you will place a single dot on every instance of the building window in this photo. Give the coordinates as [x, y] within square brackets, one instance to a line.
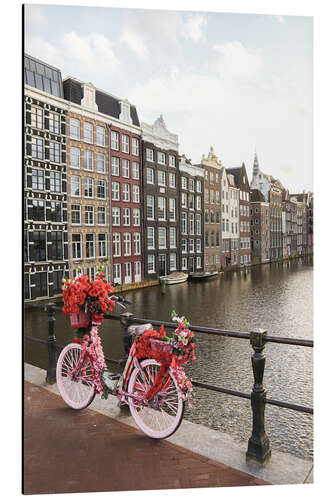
[36, 117]
[125, 168]
[40, 290]
[217, 238]
[149, 154]
[198, 245]
[126, 216]
[74, 129]
[128, 272]
[88, 160]
[88, 187]
[127, 244]
[184, 182]
[150, 238]
[89, 215]
[198, 262]
[38, 251]
[100, 136]
[172, 161]
[126, 192]
[76, 214]
[150, 175]
[56, 245]
[137, 243]
[135, 146]
[115, 165]
[161, 158]
[161, 237]
[37, 148]
[125, 140]
[173, 238]
[151, 264]
[38, 210]
[90, 245]
[198, 223]
[101, 189]
[206, 239]
[191, 185]
[173, 262]
[191, 201]
[116, 245]
[55, 182]
[76, 246]
[184, 263]
[184, 200]
[135, 170]
[184, 245]
[191, 223]
[100, 163]
[198, 202]
[102, 249]
[54, 123]
[161, 205]
[161, 177]
[137, 269]
[136, 216]
[75, 157]
[125, 112]
[115, 191]
[212, 239]
[56, 211]
[191, 245]
[199, 187]
[150, 207]
[184, 223]
[88, 131]
[75, 185]
[172, 209]
[117, 274]
[91, 273]
[115, 141]
[136, 194]
[172, 180]
[115, 216]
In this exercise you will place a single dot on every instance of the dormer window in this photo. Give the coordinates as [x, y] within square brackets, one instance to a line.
[125, 114]
[89, 94]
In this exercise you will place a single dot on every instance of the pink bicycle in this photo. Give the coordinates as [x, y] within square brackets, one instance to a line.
[154, 389]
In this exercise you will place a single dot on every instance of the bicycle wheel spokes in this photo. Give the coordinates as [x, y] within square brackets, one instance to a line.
[77, 391]
[161, 416]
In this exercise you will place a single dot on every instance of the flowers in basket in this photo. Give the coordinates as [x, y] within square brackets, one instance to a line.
[84, 298]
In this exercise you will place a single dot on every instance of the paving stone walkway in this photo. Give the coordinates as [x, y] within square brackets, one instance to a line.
[68, 451]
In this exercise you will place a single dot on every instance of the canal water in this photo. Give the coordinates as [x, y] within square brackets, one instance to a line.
[277, 297]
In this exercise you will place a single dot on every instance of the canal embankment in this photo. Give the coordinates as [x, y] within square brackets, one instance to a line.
[216, 446]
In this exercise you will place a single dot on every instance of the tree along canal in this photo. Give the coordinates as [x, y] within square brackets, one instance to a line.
[277, 297]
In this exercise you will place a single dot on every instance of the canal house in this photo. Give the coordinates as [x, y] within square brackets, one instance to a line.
[45, 181]
[161, 183]
[260, 227]
[212, 168]
[191, 216]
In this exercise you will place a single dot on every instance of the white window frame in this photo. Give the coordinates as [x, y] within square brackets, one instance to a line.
[136, 170]
[88, 163]
[99, 211]
[88, 132]
[115, 193]
[127, 244]
[126, 192]
[151, 263]
[136, 193]
[150, 238]
[125, 143]
[101, 160]
[75, 153]
[78, 180]
[115, 140]
[136, 216]
[100, 132]
[135, 146]
[115, 166]
[74, 124]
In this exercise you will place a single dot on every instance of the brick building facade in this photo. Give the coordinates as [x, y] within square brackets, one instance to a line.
[260, 227]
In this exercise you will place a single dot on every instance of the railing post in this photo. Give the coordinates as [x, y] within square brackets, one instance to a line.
[51, 346]
[258, 444]
[125, 321]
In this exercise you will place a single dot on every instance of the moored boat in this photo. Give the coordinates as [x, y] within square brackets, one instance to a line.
[203, 276]
[174, 278]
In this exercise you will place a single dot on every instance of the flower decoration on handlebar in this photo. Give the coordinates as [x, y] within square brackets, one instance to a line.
[84, 298]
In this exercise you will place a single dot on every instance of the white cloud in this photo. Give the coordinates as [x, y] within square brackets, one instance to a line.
[76, 55]
[236, 62]
[135, 43]
[193, 28]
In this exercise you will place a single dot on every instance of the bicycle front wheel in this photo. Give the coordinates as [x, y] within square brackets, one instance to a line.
[79, 391]
[162, 416]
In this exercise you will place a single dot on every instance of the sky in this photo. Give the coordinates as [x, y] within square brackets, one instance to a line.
[238, 82]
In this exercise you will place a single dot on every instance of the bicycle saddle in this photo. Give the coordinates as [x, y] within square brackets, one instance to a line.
[138, 329]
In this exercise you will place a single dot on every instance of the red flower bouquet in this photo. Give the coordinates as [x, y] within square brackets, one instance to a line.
[84, 298]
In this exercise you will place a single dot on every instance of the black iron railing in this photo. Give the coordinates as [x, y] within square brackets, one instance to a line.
[258, 444]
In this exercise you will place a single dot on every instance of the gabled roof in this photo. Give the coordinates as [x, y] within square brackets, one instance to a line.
[106, 103]
[236, 172]
[256, 195]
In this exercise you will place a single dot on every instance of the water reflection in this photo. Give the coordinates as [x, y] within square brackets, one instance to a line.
[277, 297]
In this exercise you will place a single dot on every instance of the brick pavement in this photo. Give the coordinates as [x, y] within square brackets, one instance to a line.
[68, 451]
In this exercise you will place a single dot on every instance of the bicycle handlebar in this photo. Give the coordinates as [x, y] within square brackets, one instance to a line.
[120, 299]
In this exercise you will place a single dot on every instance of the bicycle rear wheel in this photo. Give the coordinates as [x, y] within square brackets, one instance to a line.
[77, 392]
[164, 414]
